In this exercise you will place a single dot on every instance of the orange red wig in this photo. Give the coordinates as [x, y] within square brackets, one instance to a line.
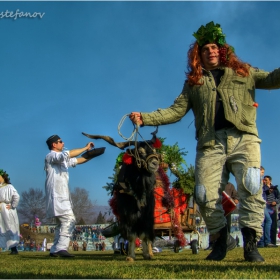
[195, 66]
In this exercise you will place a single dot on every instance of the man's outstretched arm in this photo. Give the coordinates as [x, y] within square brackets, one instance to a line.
[76, 152]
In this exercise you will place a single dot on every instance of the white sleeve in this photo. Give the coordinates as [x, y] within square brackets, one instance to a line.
[72, 162]
[15, 197]
[55, 157]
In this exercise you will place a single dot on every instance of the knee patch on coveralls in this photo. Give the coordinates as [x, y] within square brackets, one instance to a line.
[252, 180]
[200, 194]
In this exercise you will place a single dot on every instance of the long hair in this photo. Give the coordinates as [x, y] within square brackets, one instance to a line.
[194, 73]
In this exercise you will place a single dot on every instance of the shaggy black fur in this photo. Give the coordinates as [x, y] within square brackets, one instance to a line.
[135, 206]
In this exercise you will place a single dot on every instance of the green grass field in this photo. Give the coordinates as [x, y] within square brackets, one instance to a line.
[164, 265]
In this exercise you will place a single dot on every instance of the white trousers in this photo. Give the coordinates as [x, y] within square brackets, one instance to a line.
[63, 231]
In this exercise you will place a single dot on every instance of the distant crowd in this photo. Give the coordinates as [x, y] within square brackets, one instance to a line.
[88, 232]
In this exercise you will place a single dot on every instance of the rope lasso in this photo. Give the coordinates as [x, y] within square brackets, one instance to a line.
[133, 136]
[135, 130]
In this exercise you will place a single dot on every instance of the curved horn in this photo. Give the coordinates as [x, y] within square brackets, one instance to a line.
[155, 132]
[154, 135]
[120, 145]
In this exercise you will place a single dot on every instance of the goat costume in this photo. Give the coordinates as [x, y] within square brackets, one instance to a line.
[9, 223]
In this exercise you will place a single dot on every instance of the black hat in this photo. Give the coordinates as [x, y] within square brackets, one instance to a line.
[51, 140]
[93, 153]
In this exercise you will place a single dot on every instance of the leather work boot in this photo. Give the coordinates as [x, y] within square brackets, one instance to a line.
[14, 251]
[231, 243]
[270, 245]
[220, 246]
[251, 253]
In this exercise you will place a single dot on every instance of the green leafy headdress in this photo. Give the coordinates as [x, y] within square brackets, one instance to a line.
[210, 33]
[2, 172]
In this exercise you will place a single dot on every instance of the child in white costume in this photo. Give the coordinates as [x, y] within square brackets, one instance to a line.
[9, 224]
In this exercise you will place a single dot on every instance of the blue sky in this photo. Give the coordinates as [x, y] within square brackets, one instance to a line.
[84, 65]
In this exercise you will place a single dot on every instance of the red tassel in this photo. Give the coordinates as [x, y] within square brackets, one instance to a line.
[157, 144]
[127, 159]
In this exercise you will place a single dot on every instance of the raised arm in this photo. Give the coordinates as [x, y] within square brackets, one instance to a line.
[76, 152]
[81, 160]
[172, 114]
[266, 80]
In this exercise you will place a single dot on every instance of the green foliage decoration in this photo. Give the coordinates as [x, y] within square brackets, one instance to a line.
[185, 180]
[211, 33]
[119, 159]
[172, 155]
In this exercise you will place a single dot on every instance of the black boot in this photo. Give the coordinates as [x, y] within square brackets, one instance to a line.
[251, 253]
[14, 251]
[231, 242]
[220, 246]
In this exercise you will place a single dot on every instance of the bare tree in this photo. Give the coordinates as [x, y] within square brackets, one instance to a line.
[82, 205]
[100, 219]
[31, 204]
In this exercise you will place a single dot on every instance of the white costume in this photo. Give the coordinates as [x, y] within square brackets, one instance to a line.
[9, 224]
[58, 199]
[44, 245]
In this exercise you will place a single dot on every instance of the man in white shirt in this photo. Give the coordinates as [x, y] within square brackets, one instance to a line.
[58, 198]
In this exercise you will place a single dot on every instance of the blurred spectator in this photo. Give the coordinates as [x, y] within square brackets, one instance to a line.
[75, 246]
[272, 198]
[84, 246]
[103, 245]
